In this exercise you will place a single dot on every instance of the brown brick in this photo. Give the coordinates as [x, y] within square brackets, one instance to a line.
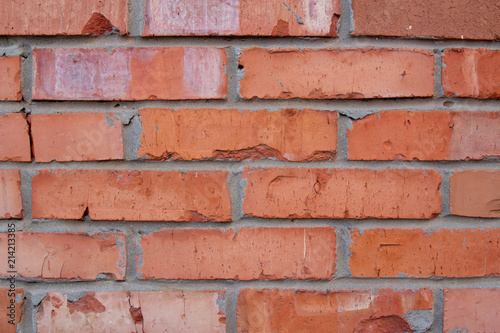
[10, 77]
[11, 205]
[14, 138]
[11, 301]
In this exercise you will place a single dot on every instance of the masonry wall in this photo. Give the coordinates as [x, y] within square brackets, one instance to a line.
[249, 166]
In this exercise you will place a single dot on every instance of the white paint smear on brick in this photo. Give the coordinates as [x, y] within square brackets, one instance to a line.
[318, 16]
[203, 69]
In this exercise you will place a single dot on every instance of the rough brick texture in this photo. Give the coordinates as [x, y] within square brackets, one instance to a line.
[471, 73]
[195, 134]
[475, 193]
[425, 135]
[76, 137]
[67, 256]
[420, 253]
[14, 138]
[134, 311]
[382, 310]
[11, 206]
[245, 254]
[457, 19]
[129, 74]
[247, 18]
[131, 195]
[10, 78]
[338, 194]
[336, 73]
[11, 301]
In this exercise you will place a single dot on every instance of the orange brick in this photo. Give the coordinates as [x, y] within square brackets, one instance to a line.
[11, 205]
[130, 74]
[67, 256]
[246, 254]
[338, 194]
[10, 77]
[475, 193]
[423, 254]
[289, 310]
[471, 73]
[134, 311]
[426, 135]
[62, 17]
[14, 138]
[76, 137]
[131, 195]
[336, 73]
[196, 134]
[247, 18]
[11, 301]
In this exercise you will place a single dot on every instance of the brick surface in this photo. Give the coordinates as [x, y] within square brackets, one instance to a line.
[11, 205]
[337, 193]
[475, 193]
[336, 73]
[134, 311]
[11, 301]
[195, 134]
[131, 195]
[76, 137]
[471, 310]
[426, 135]
[343, 311]
[250, 18]
[14, 138]
[10, 77]
[457, 19]
[67, 256]
[246, 254]
[130, 74]
[420, 253]
[62, 17]
[471, 73]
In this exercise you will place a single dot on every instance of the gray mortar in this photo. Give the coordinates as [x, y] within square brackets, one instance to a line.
[437, 326]
[343, 124]
[136, 17]
[342, 261]
[420, 320]
[131, 133]
[438, 73]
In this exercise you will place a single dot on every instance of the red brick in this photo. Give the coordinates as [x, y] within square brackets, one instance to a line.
[422, 254]
[426, 135]
[196, 134]
[11, 301]
[62, 17]
[76, 137]
[130, 74]
[131, 195]
[134, 311]
[14, 138]
[245, 254]
[247, 18]
[475, 193]
[336, 73]
[339, 194]
[11, 205]
[67, 256]
[471, 73]
[456, 19]
[290, 310]
[471, 310]
[10, 77]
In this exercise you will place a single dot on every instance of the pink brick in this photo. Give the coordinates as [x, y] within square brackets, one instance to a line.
[11, 206]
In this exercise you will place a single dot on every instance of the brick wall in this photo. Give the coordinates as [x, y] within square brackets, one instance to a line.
[249, 166]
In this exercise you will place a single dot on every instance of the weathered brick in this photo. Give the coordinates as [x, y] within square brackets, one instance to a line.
[62, 17]
[76, 137]
[195, 134]
[283, 73]
[11, 301]
[471, 73]
[14, 138]
[67, 256]
[11, 205]
[247, 18]
[471, 310]
[130, 74]
[456, 19]
[475, 193]
[131, 195]
[338, 194]
[245, 254]
[289, 310]
[420, 253]
[134, 311]
[10, 77]
[426, 135]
